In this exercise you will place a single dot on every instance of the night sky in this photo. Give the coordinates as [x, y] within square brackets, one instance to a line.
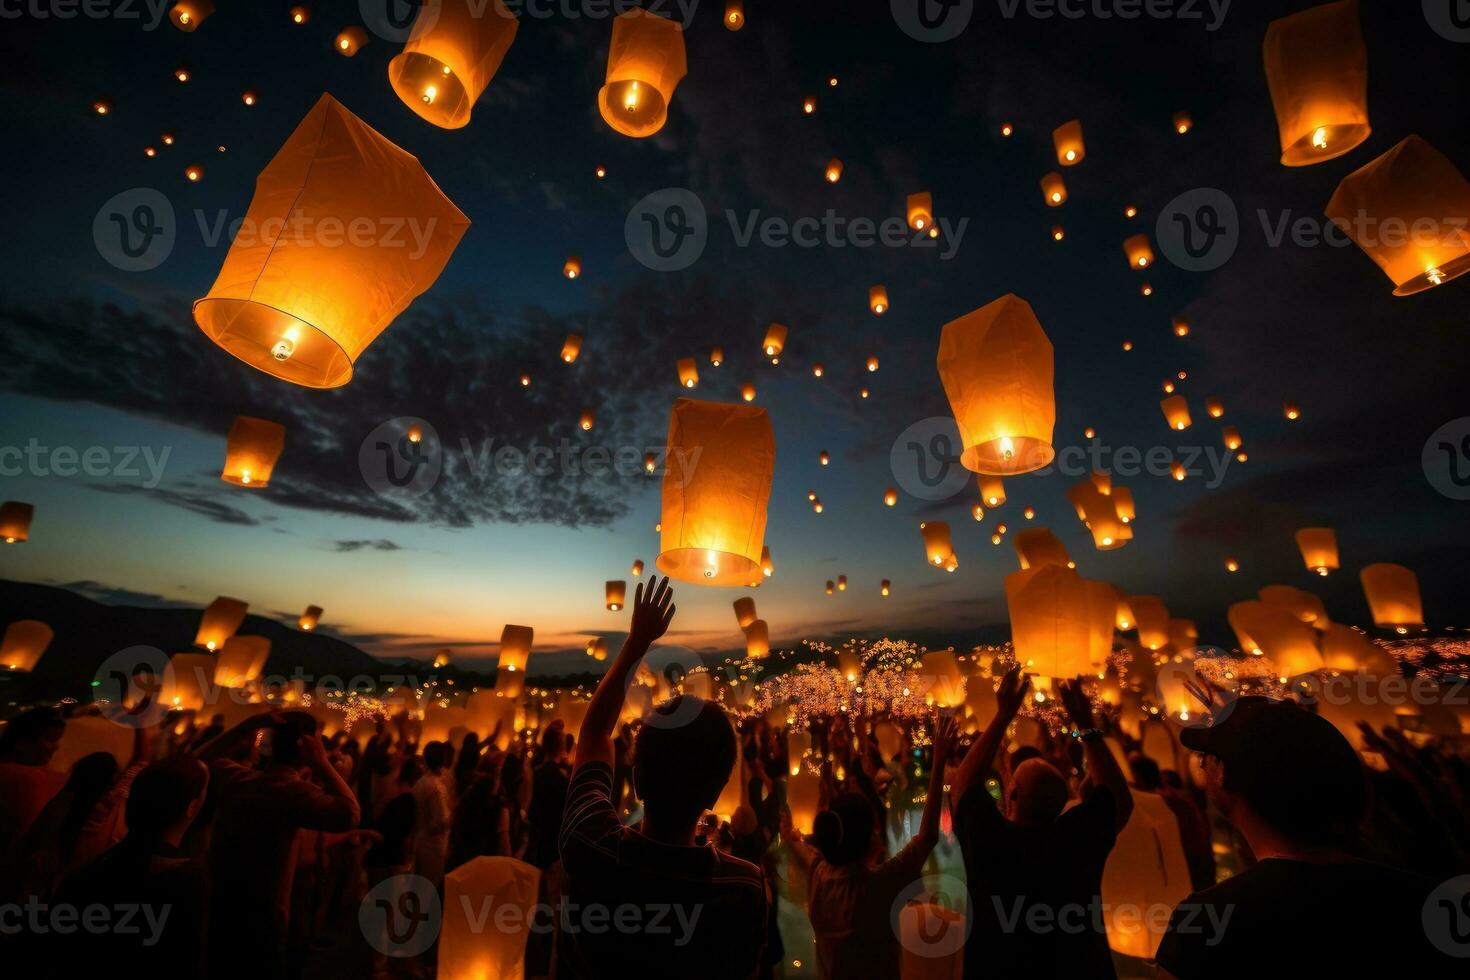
[92, 355]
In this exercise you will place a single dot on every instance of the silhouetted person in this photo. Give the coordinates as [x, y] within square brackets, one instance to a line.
[686, 911]
[1035, 872]
[548, 797]
[1194, 826]
[27, 744]
[1295, 789]
[432, 814]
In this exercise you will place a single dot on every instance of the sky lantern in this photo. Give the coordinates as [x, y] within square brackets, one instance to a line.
[1049, 626]
[1181, 327]
[1176, 412]
[1416, 186]
[1317, 69]
[644, 63]
[1178, 472]
[1058, 233]
[1291, 410]
[249, 97]
[1302, 604]
[616, 593]
[878, 299]
[768, 567]
[834, 170]
[1067, 138]
[1054, 189]
[716, 356]
[587, 420]
[1151, 618]
[1393, 596]
[803, 798]
[25, 640]
[102, 106]
[571, 347]
[1038, 546]
[650, 462]
[920, 211]
[747, 392]
[453, 51]
[831, 587]
[1146, 869]
[1232, 565]
[745, 611]
[938, 545]
[714, 517]
[1319, 548]
[809, 105]
[842, 583]
[757, 639]
[996, 364]
[1231, 435]
[1103, 482]
[350, 41]
[467, 948]
[942, 673]
[1124, 612]
[885, 587]
[302, 312]
[309, 619]
[241, 661]
[978, 512]
[637, 568]
[734, 15]
[300, 14]
[1141, 256]
[992, 490]
[187, 15]
[193, 173]
[688, 373]
[252, 450]
[187, 681]
[872, 363]
[572, 268]
[1277, 634]
[775, 340]
[1100, 516]
[1348, 650]
[15, 521]
[1102, 606]
[183, 73]
[597, 648]
[219, 622]
[824, 457]
[515, 650]
[890, 496]
[1183, 123]
[1214, 407]
[1123, 504]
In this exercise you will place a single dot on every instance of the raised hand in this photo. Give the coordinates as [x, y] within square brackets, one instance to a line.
[1011, 693]
[946, 732]
[653, 610]
[1074, 699]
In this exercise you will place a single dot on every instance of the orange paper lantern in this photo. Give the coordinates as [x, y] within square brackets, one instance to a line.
[241, 660]
[303, 312]
[219, 622]
[645, 62]
[25, 640]
[1317, 69]
[1393, 596]
[768, 567]
[833, 172]
[734, 15]
[1038, 546]
[1054, 189]
[878, 299]
[992, 491]
[350, 41]
[688, 373]
[757, 639]
[310, 618]
[1141, 256]
[775, 341]
[1151, 618]
[616, 594]
[452, 53]
[1319, 548]
[515, 650]
[745, 611]
[938, 545]
[1176, 412]
[1067, 138]
[571, 347]
[1049, 623]
[15, 521]
[251, 452]
[920, 211]
[187, 15]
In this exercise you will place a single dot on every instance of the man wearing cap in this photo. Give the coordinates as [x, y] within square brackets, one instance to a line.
[1295, 789]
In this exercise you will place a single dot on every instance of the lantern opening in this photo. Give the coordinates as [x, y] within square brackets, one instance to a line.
[275, 342]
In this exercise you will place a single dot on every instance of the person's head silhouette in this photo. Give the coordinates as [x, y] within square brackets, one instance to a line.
[681, 760]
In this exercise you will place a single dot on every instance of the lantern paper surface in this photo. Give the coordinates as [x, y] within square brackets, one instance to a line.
[515, 649]
[1054, 189]
[1067, 138]
[350, 41]
[715, 497]
[941, 671]
[1049, 624]
[15, 521]
[1300, 603]
[1102, 607]
[1319, 548]
[241, 660]
[251, 452]
[1146, 869]
[1140, 253]
[469, 947]
[1393, 596]
[803, 796]
[455, 48]
[775, 340]
[1345, 649]
[1151, 619]
[187, 681]
[878, 299]
[1317, 69]
[938, 544]
[688, 373]
[1123, 504]
[310, 618]
[288, 304]
[1038, 546]
[616, 593]
[1407, 210]
[644, 63]
[1277, 634]
[996, 364]
[757, 639]
[920, 210]
[219, 622]
[744, 611]
[1176, 412]
[992, 490]
[25, 640]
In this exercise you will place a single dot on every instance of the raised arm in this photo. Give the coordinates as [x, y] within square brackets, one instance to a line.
[1102, 768]
[227, 742]
[653, 610]
[945, 733]
[982, 754]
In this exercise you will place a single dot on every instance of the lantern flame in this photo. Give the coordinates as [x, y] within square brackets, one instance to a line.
[1319, 138]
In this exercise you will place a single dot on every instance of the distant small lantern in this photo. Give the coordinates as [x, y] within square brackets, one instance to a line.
[300, 14]
[834, 170]
[24, 642]
[515, 650]
[571, 347]
[734, 15]
[885, 587]
[587, 419]
[1123, 504]
[1089, 433]
[1214, 407]
[1417, 188]
[1146, 290]
[1182, 123]
[645, 62]
[992, 490]
[453, 52]
[842, 583]
[831, 589]
[817, 370]
[1007, 129]
[757, 640]
[350, 41]
[193, 173]
[1058, 233]
[1127, 346]
[1317, 70]
[1291, 410]
[1067, 138]
[1231, 435]
[572, 268]
[808, 105]
[996, 364]
[878, 299]
[219, 622]
[775, 341]
[241, 660]
[1048, 608]
[824, 457]
[890, 496]
[1232, 565]
[717, 356]
[597, 648]
[1130, 212]
[15, 521]
[187, 15]
[310, 618]
[637, 568]
[1178, 472]
[1029, 513]
[920, 211]
[650, 462]
[1039, 546]
[1140, 255]
[525, 381]
[248, 97]
[1393, 596]
[688, 373]
[938, 545]
[183, 73]
[747, 392]
[1319, 548]
[1054, 189]
[872, 363]
[768, 565]
[251, 452]
[1176, 412]
[615, 592]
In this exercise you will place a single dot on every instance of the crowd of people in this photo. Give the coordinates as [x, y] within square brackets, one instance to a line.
[247, 852]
